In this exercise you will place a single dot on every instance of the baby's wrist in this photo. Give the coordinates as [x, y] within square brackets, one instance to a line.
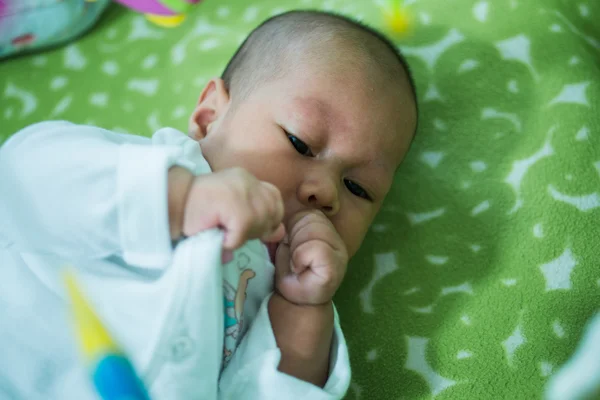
[179, 183]
[292, 302]
[309, 310]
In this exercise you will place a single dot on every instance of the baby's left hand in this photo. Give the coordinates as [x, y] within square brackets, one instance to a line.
[311, 261]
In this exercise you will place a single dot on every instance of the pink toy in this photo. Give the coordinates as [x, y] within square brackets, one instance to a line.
[166, 13]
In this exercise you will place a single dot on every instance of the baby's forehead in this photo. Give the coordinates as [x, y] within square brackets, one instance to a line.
[328, 95]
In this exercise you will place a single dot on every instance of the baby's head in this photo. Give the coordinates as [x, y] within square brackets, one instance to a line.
[321, 107]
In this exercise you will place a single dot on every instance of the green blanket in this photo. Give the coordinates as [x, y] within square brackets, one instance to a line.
[484, 265]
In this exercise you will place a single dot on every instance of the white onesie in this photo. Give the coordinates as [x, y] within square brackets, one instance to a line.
[95, 200]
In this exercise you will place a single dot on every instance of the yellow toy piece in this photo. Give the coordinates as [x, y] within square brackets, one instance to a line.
[166, 21]
[397, 18]
[111, 372]
[94, 339]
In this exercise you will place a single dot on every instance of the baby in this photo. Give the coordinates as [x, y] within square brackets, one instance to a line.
[212, 258]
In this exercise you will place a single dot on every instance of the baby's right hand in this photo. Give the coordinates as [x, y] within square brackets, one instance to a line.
[235, 201]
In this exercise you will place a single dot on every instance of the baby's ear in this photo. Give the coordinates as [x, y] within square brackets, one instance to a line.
[212, 105]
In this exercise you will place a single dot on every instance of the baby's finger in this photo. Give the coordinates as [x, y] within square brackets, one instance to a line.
[274, 236]
[245, 228]
[303, 288]
[312, 254]
[283, 263]
[313, 230]
[236, 232]
[282, 260]
[276, 200]
[325, 273]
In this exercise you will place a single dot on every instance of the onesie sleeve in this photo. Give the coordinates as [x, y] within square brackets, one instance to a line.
[83, 192]
[252, 372]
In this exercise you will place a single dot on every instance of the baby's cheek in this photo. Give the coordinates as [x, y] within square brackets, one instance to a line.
[353, 230]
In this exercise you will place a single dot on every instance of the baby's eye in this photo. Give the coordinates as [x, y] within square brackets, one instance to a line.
[356, 189]
[300, 146]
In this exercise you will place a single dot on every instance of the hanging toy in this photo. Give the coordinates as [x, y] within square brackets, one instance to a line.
[111, 372]
[397, 18]
[165, 13]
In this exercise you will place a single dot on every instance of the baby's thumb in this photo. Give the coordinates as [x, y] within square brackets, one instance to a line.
[286, 280]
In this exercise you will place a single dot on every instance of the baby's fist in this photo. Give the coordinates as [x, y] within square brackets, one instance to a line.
[311, 263]
[235, 201]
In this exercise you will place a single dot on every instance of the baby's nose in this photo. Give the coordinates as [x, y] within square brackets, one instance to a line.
[321, 194]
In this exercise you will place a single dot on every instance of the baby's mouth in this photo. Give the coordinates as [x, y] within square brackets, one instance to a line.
[272, 248]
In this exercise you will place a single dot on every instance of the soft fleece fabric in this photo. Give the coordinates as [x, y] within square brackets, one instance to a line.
[482, 269]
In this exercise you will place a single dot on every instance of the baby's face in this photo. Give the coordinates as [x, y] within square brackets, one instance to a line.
[330, 140]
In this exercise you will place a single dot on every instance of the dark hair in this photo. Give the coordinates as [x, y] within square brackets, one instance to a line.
[259, 57]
